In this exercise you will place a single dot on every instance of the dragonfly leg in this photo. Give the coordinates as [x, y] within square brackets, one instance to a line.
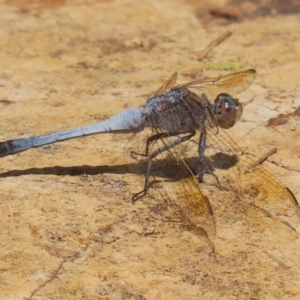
[156, 153]
[202, 166]
[150, 139]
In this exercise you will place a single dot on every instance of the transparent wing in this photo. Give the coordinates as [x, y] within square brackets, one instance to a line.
[176, 191]
[258, 195]
[232, 84]
[169, 83]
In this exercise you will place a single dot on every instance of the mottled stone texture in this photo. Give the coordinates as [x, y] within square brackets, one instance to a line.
[68, 229]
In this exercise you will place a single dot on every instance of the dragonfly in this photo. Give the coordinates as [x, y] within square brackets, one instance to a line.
[175, 123]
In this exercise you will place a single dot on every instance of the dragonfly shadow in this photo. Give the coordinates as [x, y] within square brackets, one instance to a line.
[138, 168]
[71, 170]
[218, 161]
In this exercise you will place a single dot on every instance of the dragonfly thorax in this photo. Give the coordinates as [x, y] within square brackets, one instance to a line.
[174, 94]
[163, 101]
[227, 110]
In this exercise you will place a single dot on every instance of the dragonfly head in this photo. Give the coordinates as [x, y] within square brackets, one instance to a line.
[227, 110]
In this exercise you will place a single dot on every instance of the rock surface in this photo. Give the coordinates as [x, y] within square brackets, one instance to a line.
[68, 229]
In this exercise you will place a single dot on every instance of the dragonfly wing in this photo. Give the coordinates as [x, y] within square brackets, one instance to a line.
[182, 193]
[259, 192]
[169, 83]
[232, 84]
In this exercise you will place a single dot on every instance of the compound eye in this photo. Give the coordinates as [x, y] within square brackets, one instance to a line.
[227, 110]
